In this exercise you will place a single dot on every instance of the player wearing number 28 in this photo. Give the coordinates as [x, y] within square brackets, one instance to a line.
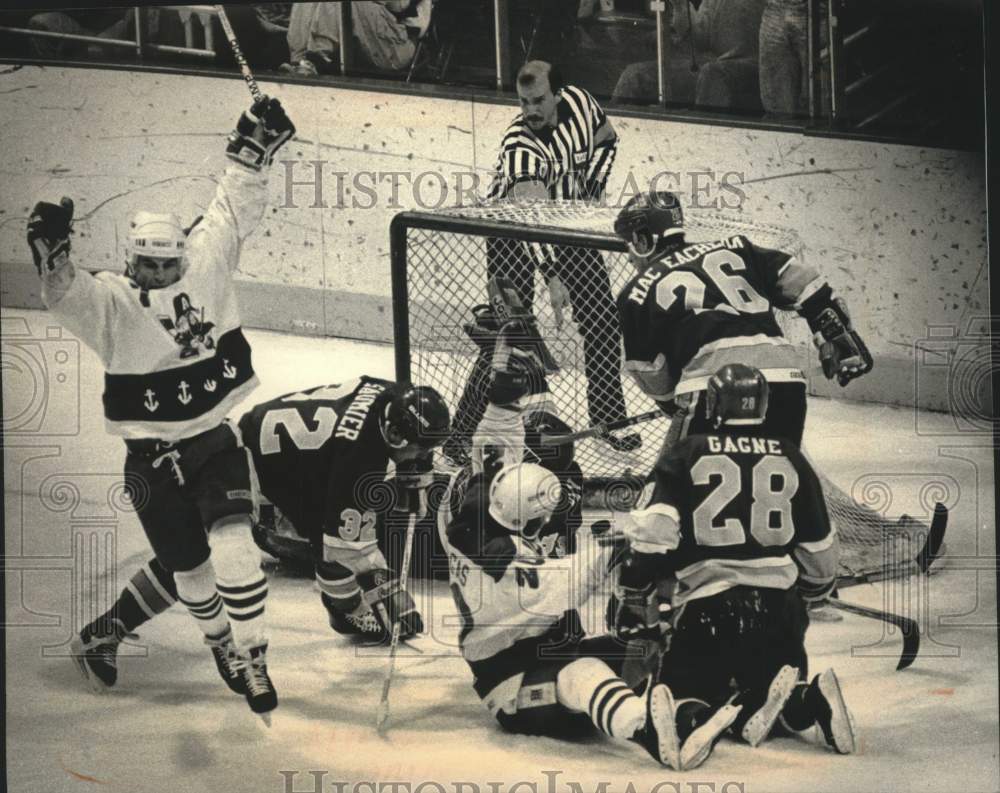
[734, 533]
[693, 307]
[168, 333]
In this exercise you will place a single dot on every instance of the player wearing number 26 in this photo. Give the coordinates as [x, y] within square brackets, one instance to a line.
[693, 307]
[734, 533]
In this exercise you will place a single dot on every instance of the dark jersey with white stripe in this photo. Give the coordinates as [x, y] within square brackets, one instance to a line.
[708, 304]
[320, 456]
[565, 158]
[734, 509]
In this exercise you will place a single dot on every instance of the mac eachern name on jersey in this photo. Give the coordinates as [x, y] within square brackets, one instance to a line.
[180, 394]
[688, 253]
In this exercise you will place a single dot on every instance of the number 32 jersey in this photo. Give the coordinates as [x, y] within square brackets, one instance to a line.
[320, 456]
[708, 304]
[736, 510]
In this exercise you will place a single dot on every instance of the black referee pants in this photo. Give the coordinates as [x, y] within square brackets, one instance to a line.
[585, 275]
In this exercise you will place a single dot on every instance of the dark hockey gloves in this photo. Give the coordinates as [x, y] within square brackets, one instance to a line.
[259, 133]
[49, 228]
[633, 618]
[841, 351]
[389, 602]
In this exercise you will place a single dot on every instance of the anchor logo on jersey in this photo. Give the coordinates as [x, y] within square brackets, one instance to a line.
[188, 327]
[150, 400]
[210, 386]
[228, 370]
[183, 393]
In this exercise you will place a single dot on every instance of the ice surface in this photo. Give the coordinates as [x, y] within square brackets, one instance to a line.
[170, 725]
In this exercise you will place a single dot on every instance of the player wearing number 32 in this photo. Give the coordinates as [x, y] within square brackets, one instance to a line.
[693, 307]
[168, 333]
[733, 532]
[322, 457]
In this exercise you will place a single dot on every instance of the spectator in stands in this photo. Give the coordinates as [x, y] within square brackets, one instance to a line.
[724, 71]
[385, 32]
[106, 23]
[784, 56]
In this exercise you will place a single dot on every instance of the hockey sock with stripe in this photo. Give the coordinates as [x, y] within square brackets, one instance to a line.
[240, 580]
[150, 591]
[589, 685]
[196, 590]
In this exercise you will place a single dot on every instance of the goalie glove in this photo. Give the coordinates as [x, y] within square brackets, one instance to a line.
[259, 133]
[389, 602]
[49, 228]
[842, 353]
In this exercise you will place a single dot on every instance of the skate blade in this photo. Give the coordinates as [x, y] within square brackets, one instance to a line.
[664, 713]
[759, 726]
[842, 724]
[266, 718]
[93, 683]
[698, 746]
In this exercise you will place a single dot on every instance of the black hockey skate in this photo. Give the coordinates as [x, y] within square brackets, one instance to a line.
[228, 661]
[826, 700]
[95, 652]
[681, 735]
[259, 690]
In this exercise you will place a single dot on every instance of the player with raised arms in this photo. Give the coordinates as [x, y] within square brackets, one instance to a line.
[168, 334]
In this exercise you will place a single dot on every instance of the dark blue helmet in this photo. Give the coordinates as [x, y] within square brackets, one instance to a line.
[647, 218]
[737, 396]
[420, 415]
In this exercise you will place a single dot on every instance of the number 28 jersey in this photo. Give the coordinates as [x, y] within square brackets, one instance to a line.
[708, 304]
[736, 510]
[320, 456]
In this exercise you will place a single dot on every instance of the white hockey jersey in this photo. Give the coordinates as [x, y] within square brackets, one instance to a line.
[176, 361]
[507, 591]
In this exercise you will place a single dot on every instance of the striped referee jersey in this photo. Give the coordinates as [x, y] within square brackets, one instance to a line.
[564, 157]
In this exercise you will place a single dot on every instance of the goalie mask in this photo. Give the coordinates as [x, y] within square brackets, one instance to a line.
[155, 256]
[647, 220]
[523, 498]
[737, 396]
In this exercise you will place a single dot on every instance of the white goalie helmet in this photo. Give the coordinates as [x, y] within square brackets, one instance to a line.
[157, 235]
[523, 497]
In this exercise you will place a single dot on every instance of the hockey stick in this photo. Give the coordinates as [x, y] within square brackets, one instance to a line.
[920, 564]
[907, 626]
[601, 429]
[238, 54]
[404, 573]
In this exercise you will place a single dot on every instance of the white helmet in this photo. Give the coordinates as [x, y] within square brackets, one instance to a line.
[158, 235]
[523, 497]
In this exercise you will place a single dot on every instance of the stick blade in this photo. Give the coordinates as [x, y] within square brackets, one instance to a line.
[911, 643]
[935, 538]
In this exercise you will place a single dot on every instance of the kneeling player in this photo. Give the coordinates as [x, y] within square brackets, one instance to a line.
[321, 456]
[736, 522]
[512, 568]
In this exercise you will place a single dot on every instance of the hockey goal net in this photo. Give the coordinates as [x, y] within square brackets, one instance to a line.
[439, 272]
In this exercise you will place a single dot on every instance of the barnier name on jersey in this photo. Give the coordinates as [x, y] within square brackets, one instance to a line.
[357, 412]
[321, 782]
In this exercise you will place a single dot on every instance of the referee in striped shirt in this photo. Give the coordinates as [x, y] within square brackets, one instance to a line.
[561, 146]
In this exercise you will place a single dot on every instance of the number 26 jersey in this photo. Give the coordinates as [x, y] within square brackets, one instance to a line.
[708, 304]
